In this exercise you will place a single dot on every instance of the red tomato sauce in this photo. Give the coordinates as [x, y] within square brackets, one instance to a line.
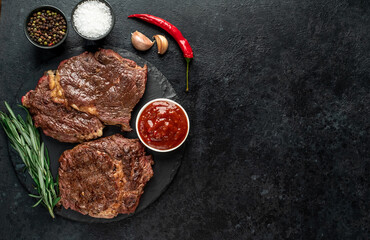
[163, 125]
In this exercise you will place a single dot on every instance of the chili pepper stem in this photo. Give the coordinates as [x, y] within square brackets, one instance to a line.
[187, 73]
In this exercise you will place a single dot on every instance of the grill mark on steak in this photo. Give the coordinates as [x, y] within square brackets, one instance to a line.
[103, 84]
[104, 183]
[104, 177]
[56, 120]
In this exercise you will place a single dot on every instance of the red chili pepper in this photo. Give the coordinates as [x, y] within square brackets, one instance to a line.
[175, 33]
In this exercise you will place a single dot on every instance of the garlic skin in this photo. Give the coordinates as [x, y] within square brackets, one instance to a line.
[140, 41]
[162, 43]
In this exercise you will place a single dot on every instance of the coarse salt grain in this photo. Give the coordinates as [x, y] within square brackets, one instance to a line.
[92, 19]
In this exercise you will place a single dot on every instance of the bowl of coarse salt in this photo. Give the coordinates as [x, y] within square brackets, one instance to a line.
[93, 19]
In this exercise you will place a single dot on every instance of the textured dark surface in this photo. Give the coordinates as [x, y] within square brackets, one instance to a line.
[279, 106]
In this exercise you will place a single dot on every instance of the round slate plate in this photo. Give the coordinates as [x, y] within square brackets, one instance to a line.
[165, 164]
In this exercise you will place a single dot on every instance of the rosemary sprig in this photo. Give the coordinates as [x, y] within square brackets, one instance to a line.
[25, 139]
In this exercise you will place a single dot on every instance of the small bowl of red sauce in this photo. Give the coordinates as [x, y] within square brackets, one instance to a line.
[162, 125]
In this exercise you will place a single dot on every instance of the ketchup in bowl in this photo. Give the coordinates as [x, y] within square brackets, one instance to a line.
[162, 125]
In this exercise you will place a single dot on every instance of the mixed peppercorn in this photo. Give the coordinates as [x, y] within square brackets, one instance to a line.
[47, 27]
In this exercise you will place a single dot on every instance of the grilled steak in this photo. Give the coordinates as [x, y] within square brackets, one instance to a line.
[104, 177]
[71, 103]
[102, 84]
[65, 125]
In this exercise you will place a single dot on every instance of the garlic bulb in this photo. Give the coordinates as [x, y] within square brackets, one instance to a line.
[162, 43]
[140, 41]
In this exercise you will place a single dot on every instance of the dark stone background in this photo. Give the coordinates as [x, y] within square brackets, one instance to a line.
[279, 106]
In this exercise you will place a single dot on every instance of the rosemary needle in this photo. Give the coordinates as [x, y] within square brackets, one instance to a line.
[25, 139]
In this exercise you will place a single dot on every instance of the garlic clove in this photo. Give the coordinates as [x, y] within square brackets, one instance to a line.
[140, 41]
[162, 43]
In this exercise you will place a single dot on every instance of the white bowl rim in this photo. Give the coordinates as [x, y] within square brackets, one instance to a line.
[141, 111]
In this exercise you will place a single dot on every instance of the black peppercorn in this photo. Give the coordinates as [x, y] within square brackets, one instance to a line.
[46, 27]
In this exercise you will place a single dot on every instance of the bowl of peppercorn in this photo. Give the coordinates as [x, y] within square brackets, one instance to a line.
[46, 27]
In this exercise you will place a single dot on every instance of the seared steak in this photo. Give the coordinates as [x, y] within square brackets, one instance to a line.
[71, 103]
[65, 125]
[102, 84]
[104, 177]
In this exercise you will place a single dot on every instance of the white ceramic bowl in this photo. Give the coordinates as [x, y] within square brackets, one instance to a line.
[141, 111]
